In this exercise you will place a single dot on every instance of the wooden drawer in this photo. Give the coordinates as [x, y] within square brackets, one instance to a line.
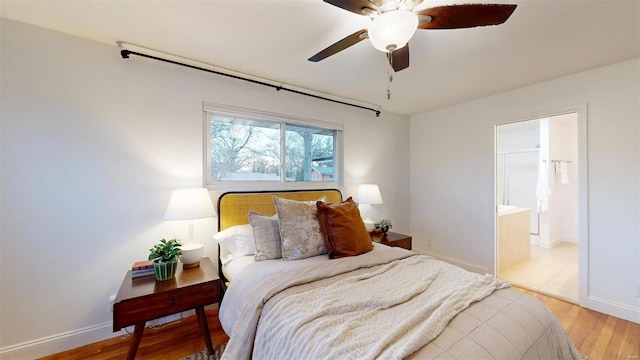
[392, 239]
[404, 243]
[132, 311]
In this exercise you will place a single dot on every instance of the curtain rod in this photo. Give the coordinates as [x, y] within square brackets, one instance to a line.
[125, 55]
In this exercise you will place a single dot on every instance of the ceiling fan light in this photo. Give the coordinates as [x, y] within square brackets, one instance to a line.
[392, 30]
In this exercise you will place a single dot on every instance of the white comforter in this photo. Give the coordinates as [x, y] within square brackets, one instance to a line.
[384, 304]
[402, 305]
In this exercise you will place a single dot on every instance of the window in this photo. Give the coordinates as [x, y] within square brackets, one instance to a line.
[243, 146]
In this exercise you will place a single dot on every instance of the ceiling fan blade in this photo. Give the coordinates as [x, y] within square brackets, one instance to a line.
[360, 7]
[350, 40]
[465, 16]
[399, 59]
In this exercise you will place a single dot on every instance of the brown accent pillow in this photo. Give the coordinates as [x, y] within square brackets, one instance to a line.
[343, 230]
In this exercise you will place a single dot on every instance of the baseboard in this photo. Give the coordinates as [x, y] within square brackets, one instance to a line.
[467, 266]
[535, 240]
[549, 244]
[612, 308]
[60, 342]
[76, 338]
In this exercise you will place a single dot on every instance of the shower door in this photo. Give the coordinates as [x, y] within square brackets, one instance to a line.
[517, 181]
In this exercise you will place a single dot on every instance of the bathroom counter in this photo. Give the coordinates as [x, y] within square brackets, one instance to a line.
[506, 210]
[514, 241]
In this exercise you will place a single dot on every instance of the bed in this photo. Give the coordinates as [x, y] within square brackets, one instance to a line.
[369, 301]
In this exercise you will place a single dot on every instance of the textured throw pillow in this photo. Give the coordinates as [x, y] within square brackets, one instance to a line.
[299, 228]
[266, 232]
[343, 229]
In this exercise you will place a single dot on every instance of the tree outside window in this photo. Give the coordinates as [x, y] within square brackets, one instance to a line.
[244, 149]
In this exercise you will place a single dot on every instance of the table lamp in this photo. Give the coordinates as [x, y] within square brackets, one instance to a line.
[368, 194]
[190, 204]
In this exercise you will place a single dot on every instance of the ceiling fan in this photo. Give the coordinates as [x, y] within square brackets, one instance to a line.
[393, 23]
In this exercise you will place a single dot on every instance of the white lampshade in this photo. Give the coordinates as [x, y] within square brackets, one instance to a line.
[369, 194]
[392, 30]
[188, 204]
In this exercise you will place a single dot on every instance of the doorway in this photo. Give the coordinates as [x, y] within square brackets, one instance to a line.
[537, 212]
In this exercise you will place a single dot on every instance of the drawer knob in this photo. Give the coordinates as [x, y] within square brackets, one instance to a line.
[172, 302]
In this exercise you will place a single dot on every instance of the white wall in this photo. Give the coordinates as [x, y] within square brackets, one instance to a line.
[563, 202]
[92, 146]
[452, 177]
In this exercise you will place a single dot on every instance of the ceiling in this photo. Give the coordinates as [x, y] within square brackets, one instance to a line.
[272, 39]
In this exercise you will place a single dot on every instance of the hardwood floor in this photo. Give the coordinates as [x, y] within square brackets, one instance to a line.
[170, 341]
[596, 335]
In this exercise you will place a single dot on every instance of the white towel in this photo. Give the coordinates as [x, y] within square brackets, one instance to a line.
[562, 170]
[542, 189]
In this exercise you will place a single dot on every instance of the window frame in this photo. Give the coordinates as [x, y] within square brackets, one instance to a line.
[283, 120]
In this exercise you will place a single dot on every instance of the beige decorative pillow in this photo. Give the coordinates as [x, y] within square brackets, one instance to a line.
[299, 228]
[266, 232]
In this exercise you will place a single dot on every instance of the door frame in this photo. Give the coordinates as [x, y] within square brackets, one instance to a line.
[583, 188]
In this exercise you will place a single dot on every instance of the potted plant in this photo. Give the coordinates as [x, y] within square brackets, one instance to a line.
[165, 256]
[385, 225]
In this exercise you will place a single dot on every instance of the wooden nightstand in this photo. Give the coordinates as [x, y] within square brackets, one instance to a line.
[392, 239]
[142, 299]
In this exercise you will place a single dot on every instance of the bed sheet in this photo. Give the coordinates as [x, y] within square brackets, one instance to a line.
[234, 266]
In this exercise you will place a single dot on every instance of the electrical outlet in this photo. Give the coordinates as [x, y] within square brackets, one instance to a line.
[429, 242]
[112, 299]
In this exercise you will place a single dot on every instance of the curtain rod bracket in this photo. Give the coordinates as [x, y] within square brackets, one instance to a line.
[125, 55]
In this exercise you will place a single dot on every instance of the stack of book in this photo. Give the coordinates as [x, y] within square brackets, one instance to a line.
[142, 269]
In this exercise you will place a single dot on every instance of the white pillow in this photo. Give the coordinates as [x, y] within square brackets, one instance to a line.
[238, 240]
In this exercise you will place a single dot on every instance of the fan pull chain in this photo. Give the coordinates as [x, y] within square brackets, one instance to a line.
[390, 75]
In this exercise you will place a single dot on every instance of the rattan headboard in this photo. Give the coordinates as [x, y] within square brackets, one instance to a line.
[233, 207]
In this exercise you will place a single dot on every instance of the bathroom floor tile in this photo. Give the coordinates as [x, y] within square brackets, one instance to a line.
[551, 271]
[565, 283]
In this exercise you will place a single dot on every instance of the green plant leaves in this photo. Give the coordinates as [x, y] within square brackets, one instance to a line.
[166, 251]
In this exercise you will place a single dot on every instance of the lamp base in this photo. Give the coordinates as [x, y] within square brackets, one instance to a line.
[191, 266]
[369, 225]
[191, 254]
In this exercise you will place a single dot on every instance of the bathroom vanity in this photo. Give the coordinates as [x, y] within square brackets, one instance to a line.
[514, 242]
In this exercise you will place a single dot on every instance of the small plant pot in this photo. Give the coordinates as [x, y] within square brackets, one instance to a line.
[165, 270]
[384, 229]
